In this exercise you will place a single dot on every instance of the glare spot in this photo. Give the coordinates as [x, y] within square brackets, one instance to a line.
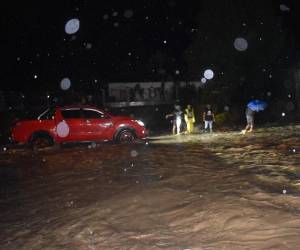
[4, 148]
[177, 72]
[115, 13]
[105, 17]
[65, 83]
[284, 191]
[35, 77]
[116, 24]
[165, 42]
[62, 129]
[282, 114]
[270, 76]
[240, 44]
[208, 74]
[289, 96]
[18, 59]
[129, 53]
[269, 93]
[134, 153]
[226, 108]
[128, 13]
[72, 26]
[203, 80]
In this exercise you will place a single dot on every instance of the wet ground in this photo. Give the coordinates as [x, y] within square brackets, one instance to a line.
[203, 191]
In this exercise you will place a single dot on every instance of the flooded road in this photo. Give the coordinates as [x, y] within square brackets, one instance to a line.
[202, 191]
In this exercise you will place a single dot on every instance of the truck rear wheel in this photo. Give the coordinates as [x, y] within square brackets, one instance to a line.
[41, 140]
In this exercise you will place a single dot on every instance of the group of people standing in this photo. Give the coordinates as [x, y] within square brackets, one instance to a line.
[188, 115]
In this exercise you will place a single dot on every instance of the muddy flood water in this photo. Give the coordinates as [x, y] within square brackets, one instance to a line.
[202, 191]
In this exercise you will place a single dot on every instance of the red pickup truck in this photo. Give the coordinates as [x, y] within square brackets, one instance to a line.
[76, 124]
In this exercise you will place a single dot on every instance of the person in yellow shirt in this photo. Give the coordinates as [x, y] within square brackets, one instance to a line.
[189, 118]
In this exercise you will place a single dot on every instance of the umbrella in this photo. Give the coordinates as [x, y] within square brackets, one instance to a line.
[257, 105]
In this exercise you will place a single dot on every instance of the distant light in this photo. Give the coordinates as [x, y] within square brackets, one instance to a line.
[105, 17]
[129, 53]
[294, 150]
[289, 96]
[203, 80]
[165, 41]
[244, 24]
[208, 74]
[260, 39]
[240, 44]
[65, 83]
[269, 93]
[283, 114]
[35, 77]
[72, 26]
[270, 76]
[115, 13]
[264, 70]
[4, 148]
[177, 72]
[48, 96]
[116, 24]
[95, 80]
[226, 108]
[284, 191]
[128, 13]
[18, 59]
[147, 18]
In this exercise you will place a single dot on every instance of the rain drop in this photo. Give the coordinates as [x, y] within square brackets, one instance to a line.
[128, 13]
[134, 153]
[88, 46]
[240, 44]
[65, 83]
[72, 26]
[62, 129]
[284, 8]
[208, 74]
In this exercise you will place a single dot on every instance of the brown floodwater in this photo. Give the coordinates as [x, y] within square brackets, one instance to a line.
[202, 191]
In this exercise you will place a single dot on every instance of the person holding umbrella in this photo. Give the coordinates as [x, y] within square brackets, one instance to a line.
[252, 108]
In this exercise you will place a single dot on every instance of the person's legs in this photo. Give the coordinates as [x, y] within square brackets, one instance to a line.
[174, 128]
[191, 125]
[205, 125]
[249, 127]
[210, 126]
[178, 124]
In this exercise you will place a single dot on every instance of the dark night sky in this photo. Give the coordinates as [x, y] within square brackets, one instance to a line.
[37, 53]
